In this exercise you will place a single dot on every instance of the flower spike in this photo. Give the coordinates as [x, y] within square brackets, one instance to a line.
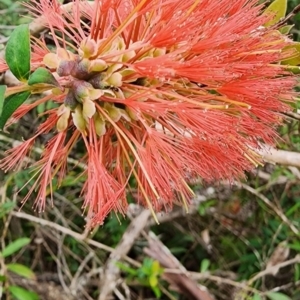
[159, 93]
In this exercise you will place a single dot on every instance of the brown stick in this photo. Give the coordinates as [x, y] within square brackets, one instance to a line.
[111, 271]
[295, 11]
[158, 251]
[281, 157]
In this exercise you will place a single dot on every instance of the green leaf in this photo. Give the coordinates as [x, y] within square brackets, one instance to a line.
[14, 246]
[293, 69]
[157, 292]
[256, 297]
[294, 60]
[22, 294]
[278, 10]
[155, 268]
[17, 52]
[296, 272]
[153, 281]
[21, 270]
[6, 2]
[42, 75]
[277, 296]
[6, 207]
[126, 269]
[286, 29]
[11, 103]
[2, 97]
[204, 265]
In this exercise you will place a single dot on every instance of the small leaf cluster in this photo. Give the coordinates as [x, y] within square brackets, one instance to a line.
[7, 252]
[18, 57]
[147, 275]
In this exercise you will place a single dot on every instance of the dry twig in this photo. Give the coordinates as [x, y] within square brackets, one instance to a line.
[62, 229]
[281, 157]
[270, 270]
[277, 210]
[111, 271]
[158, 251]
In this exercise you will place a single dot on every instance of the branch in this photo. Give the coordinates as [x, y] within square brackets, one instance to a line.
[281, 157]
[111, 271]
[158, 251]
[270, 270]
[67, 231]
[277, 210]
[288, 17]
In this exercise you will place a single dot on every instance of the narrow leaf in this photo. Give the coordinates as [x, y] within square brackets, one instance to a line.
[278, 10]
[294, 60]
[21, 270]
[6, 207]
[22, 294]
[11, 103]
[293, 69]
[204, 265]
[17, 52]
[2, 97]
[153, 281]
[42, 75]
[14, 246]
[286, 29]
[256, 297]
[156, 291]
[277, 296]
[155, 268]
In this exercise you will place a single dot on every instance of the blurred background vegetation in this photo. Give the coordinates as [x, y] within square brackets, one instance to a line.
[230, 241]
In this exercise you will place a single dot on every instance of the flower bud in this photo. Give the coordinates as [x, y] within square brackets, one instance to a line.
[95, 93]
[124, 114]
[78, 119]
[113, 68]
[81, 68]
[98, 81]
[81, 90]
[89, 108]
[113, 112]
[51, 60]
[63, 121]
[88, 48]
[65, 54]
[159, 52]
[128, 55]
[65, 67]
[132, 115]
[97, 65]
[128, 72]
[116, 113]
[99, 125]
[70, 100]
[115, 80]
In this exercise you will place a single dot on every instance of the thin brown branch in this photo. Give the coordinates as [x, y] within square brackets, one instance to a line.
[111, 272]
[270, 270]
[62, 229]
[277, 210]
[158, 251]
[289, 16]
[281, 157]
[220, 280]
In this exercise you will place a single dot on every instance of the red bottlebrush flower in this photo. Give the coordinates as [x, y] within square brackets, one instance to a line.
[159, 91]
